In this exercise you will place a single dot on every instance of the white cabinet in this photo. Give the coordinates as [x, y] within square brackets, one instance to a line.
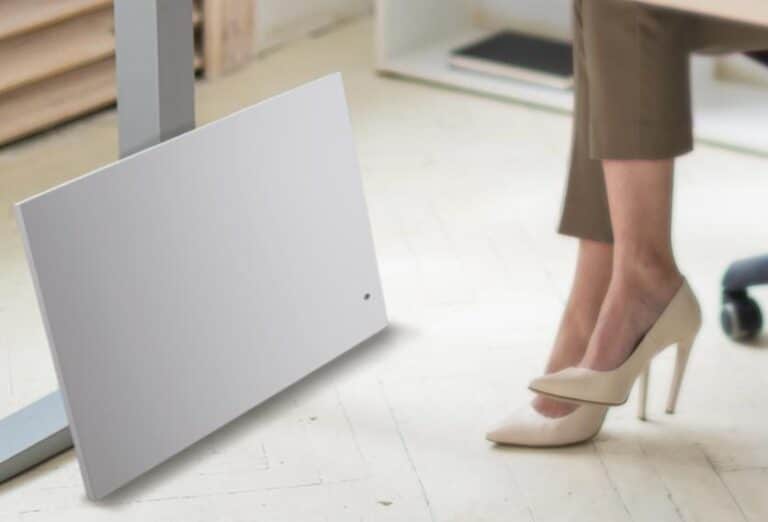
[415, 37]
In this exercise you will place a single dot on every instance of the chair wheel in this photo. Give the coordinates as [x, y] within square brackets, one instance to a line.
[741, 318]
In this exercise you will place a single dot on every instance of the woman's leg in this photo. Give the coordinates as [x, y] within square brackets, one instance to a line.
[635, 65]
[586, 216]
[645, 276]
[590, 283]
[639, 118]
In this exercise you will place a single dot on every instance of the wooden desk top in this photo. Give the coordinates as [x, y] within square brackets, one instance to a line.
[750, 11]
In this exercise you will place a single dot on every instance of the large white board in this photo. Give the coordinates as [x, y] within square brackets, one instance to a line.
[184, 285]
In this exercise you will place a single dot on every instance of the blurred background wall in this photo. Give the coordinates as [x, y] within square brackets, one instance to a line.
[279, 21]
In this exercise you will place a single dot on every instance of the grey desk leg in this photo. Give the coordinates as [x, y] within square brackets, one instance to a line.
[156, 101]
[155, 71]
[33, 435]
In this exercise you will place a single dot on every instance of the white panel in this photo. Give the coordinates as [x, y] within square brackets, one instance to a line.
[405, 25]
[184, 285]
[550, 18]
[283, 20]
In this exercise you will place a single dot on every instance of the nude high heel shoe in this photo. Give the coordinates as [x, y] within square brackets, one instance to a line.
[527, 427]
[678, 324]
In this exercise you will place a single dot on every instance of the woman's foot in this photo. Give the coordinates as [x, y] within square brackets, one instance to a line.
[634, 301]
[678, 324]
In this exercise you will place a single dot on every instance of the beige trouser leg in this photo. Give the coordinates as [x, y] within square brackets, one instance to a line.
[633, 94]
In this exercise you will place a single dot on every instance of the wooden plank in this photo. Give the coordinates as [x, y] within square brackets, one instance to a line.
[748, 487]
[394, 488]
[635, 479]
[749, 11]
[49, 51]
[42, 105]
[228, 27]
[58, 99]
[36, 56]
[447, 452]
[693, 484]
[21, 16]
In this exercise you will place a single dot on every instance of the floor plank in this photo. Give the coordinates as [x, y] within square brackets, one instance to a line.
[748, 487]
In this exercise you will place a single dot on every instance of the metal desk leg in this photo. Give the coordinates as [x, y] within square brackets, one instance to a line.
[33, 435]
[156, 101]
[155, 71]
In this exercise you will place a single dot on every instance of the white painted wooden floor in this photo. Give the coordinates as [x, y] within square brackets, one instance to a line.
[464, 194]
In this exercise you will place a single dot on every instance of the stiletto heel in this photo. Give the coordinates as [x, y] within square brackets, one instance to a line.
[681, 362]
[678, 324]
[642, 399]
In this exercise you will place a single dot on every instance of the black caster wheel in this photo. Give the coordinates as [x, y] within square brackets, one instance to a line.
[741, 317]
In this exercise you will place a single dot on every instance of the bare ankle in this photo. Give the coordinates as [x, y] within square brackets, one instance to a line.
[571, 342]
[649, 272]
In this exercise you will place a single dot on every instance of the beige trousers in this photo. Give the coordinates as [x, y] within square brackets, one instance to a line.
[633, 94]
